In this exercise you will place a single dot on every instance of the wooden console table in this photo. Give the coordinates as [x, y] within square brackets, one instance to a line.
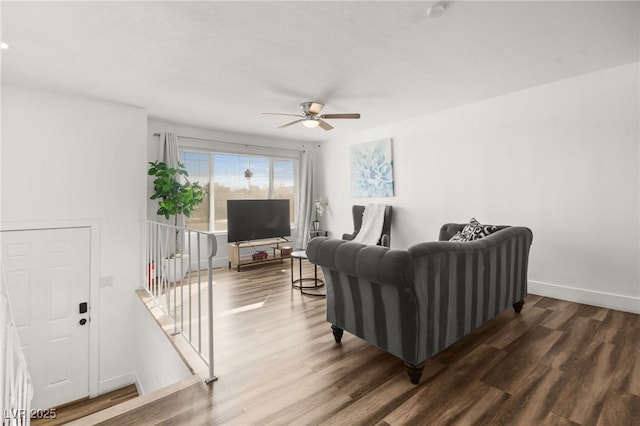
[275, 245]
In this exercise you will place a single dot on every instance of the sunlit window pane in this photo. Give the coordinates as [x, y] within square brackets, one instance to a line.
[197, 164]
[236, 177]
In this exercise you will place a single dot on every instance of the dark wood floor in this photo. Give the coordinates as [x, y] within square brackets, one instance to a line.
[65, 414]
[556, 363]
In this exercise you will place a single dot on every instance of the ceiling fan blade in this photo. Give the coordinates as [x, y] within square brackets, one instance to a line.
[289, 124]
[315, 107]
[280, 113]
[333, 116]
[324, 124]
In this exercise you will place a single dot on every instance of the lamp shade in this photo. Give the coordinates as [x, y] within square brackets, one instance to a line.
[310, 123]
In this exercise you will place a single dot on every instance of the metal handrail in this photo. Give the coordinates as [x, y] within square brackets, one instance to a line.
[16, 388]
[171, 271]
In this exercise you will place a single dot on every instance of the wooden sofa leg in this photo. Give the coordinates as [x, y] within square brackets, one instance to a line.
[518, 306]
[337, 333]
[414, 371]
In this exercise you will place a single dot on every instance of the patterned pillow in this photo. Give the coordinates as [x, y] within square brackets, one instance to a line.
[474, 230]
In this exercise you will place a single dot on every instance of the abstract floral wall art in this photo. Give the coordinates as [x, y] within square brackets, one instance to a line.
[372, 169]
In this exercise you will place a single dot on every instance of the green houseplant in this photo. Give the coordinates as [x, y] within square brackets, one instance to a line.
[175, 192]
[176, 195]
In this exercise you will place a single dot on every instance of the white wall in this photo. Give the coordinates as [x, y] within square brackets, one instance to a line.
[1, 97]
[72, 160]
[157, 362]
[562, 159]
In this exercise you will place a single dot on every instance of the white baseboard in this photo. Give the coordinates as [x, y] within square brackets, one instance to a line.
[217, 263]
[588, 297]
[117, 382]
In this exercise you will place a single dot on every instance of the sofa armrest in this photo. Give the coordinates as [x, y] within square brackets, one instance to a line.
[369, 293]
[461, 285]
[371, 263]
[448, 230]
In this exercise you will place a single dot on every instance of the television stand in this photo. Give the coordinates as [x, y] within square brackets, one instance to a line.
[276, 246]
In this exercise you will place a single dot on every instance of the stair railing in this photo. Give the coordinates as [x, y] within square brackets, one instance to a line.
[176, 261]
[16, 388]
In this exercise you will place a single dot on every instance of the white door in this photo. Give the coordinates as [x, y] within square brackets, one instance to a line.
[48, 277]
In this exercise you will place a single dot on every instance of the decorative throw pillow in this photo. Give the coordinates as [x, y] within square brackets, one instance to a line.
[467, 232]
[474, 230]
[483, 231]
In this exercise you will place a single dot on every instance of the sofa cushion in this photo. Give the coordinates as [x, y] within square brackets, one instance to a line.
[474, 230]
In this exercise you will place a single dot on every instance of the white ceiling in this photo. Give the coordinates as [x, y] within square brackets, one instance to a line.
[219, 65]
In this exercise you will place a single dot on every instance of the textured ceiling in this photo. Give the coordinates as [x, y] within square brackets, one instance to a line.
[219, 65]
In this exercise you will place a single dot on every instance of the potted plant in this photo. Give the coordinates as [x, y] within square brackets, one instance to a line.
[176, 195]
[320, 204]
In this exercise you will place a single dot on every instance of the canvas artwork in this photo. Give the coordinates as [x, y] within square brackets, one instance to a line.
[372, 169]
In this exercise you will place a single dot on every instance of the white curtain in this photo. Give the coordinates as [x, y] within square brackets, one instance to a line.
[169, 150]
[170, 155]
[305, 197]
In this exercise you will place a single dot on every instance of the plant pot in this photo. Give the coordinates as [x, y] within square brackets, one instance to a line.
[174, 269]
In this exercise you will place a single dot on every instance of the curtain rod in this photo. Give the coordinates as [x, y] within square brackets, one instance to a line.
[236, 143]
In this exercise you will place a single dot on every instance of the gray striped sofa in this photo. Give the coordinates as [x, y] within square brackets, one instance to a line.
[414, 303]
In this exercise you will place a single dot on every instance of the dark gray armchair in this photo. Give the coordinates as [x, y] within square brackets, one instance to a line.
[385, 238]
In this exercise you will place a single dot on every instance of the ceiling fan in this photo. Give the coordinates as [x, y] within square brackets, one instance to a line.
[311, 116]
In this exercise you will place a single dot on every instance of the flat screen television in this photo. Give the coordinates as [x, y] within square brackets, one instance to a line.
[257, 219]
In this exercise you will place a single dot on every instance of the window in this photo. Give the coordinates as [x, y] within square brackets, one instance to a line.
[235, 176]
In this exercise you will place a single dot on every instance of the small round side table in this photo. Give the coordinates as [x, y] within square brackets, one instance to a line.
[299, 283]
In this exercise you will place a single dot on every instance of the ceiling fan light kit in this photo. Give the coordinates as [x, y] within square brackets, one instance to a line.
[310, 123]
[311, 116]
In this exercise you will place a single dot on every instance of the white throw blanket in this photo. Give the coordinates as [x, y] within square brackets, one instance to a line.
[372, 221]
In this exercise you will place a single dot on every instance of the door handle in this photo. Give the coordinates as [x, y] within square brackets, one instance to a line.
[83, 321]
